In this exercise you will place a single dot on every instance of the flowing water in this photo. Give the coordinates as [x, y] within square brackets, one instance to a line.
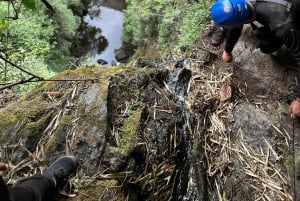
[179, 83]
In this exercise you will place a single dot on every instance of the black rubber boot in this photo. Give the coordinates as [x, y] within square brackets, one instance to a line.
[218, 36]
[61, 169]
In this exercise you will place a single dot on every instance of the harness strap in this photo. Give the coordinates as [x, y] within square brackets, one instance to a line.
[288, 4]
[293, 153]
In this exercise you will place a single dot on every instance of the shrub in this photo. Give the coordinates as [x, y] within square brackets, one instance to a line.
[165, 22]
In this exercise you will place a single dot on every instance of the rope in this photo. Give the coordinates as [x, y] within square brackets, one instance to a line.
[293, 161]
[34, 79]
[18, 67]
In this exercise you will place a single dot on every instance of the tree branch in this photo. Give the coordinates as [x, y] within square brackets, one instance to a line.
[48, 5]
[21, 69]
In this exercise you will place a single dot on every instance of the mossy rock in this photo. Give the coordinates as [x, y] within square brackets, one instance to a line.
[129, 136]
[105, 190]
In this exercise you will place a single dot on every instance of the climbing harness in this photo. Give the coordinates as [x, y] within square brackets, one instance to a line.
[286, 3]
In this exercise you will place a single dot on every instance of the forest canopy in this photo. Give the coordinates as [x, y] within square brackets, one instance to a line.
[35, 36]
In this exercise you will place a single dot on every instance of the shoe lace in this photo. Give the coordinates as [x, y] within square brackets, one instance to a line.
[60, 173]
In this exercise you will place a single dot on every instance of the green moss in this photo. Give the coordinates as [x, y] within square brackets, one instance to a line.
[8, 119]
[19, 110]
[103, 91]
[98, 190]
[32, 131]
[129, 132]
[31, 110]
[58, 137]
[31, 127]
[84, 74]
[87, 117]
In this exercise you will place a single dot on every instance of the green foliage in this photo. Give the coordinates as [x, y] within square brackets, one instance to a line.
[3, 15]
[25, 43]
[168, 26]
[35, 38]
[167, 22]
[32, 34]
[142, 17]
[29, 4]
[3, 25]
[66, 21]
[194, 20]
[66, 24]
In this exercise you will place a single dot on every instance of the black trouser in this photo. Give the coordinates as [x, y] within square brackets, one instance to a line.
[36, 188]
[266, 41]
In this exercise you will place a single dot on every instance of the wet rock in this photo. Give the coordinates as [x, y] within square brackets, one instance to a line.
[74, 123]
[101, 44]
[121, 55]
[115, 4]
[102, 62]
[254, 124]
[134, 128]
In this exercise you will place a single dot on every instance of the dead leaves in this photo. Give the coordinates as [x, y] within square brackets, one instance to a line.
[52, 94]
[225, 92]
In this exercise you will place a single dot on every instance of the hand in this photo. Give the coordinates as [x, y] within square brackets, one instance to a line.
[295, 109]
[227, 57]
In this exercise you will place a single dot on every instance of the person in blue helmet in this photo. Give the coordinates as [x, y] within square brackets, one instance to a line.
[274, 23]
[42, 187]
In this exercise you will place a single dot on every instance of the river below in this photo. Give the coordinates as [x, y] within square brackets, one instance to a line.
[100, 33]
[109, 25]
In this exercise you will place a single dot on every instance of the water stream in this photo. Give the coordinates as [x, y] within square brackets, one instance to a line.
[179, 83]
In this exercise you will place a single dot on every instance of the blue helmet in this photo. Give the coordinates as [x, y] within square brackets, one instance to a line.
[230, 13]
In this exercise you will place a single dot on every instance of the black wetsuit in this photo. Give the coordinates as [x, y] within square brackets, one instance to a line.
[279, 28]
[35, 188]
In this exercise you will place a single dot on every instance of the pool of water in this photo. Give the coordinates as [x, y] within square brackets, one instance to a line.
[109, 25]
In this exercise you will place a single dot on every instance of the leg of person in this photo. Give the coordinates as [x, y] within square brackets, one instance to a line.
[45, 187]
[36, 188]
[266, 41]
[218, 36]
[268, 46]
[3, 191]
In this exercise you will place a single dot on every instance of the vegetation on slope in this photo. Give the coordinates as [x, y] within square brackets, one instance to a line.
[168, 23]
[37, 38]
